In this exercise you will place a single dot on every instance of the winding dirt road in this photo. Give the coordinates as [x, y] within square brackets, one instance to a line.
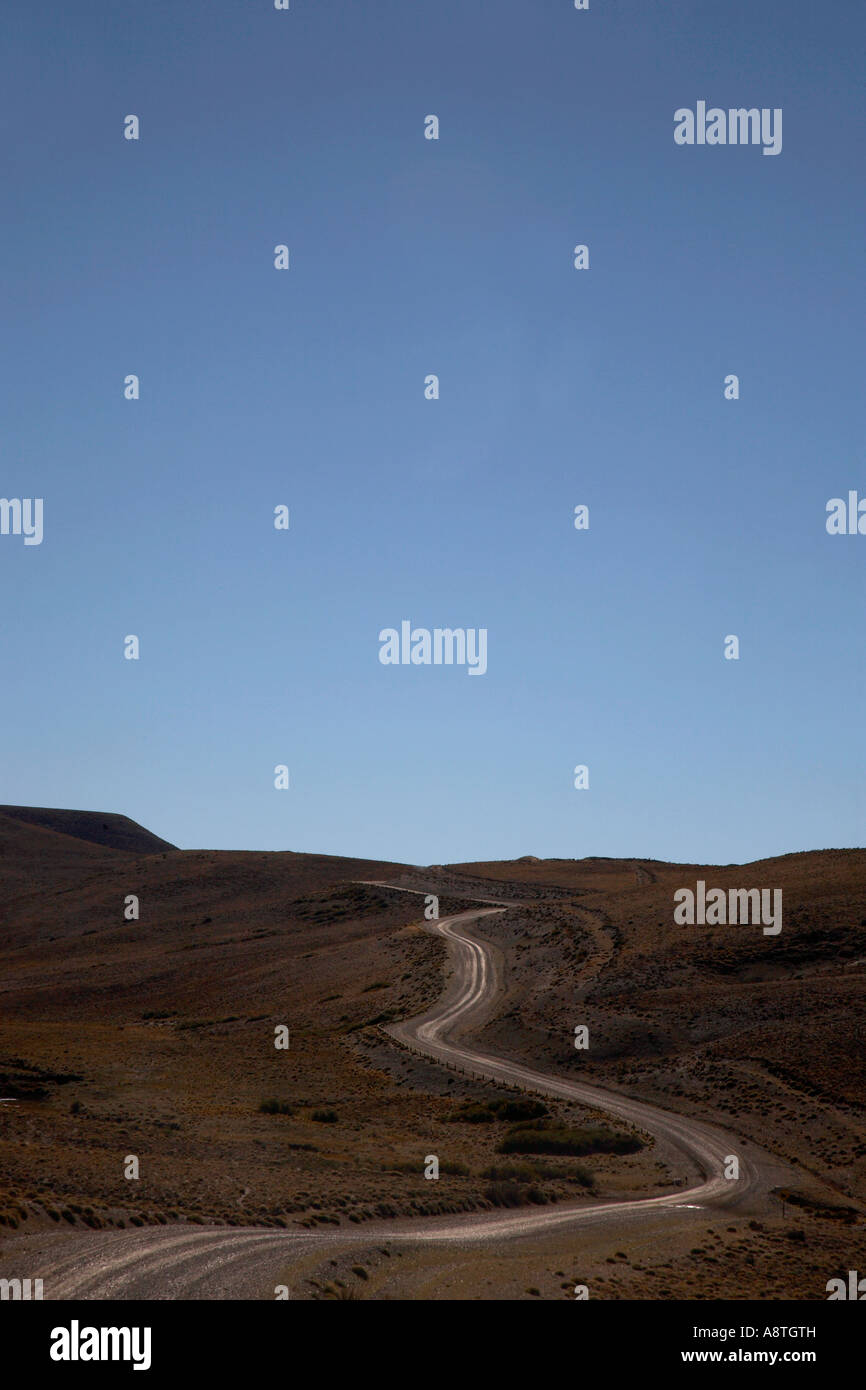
[470, 997]
[186, 1262]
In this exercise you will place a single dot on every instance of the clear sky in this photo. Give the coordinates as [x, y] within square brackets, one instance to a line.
[558, 387]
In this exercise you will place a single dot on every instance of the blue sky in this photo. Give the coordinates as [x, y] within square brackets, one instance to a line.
[558, 387]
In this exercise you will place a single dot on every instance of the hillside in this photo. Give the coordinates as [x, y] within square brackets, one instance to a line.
[155, 1036]
[753, 1030]
[95, 827]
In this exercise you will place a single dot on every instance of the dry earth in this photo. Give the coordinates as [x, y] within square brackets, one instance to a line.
[156, 1038]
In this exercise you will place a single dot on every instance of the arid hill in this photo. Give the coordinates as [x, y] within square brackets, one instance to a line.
[96, 827]
[154, 1035]
[763, 1031]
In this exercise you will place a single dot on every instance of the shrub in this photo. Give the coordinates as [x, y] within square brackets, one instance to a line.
[509, 1172]
[557, 1139]
[485, 1111]
[325, 1117]
[504, 1194]
[276, 1107]
[519, 1109]
[472, 1115]
[515, 1194]
[532, 1172]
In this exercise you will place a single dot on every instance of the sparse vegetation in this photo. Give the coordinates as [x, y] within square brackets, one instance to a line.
[524, 1172]
[276, 1107]
[521, 1109]
[515, 1194]
[266, 962]
[539, 1137]
[472, 1114]
[485, 1112]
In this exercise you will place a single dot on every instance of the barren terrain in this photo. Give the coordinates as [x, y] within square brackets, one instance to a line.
[155, 1038]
